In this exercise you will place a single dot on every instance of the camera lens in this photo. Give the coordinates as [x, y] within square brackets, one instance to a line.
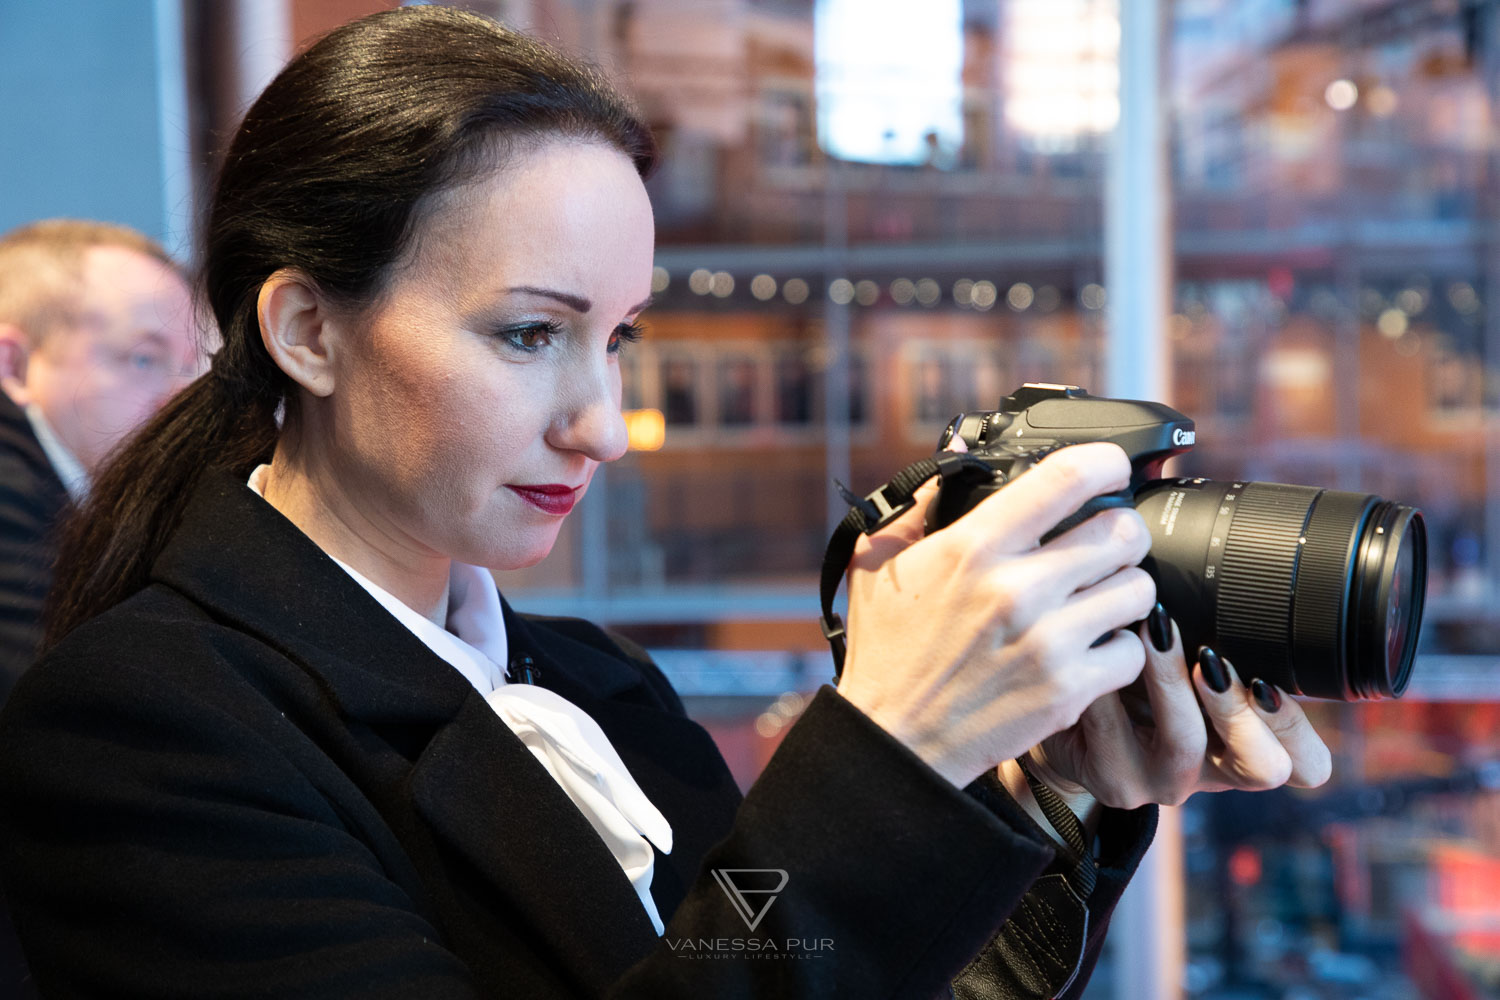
[1318, 591]
[1391, 590]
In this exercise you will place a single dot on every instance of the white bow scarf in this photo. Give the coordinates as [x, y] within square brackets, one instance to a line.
[560, 735]
[578, 755]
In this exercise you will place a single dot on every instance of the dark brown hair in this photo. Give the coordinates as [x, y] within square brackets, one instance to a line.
[326, 176]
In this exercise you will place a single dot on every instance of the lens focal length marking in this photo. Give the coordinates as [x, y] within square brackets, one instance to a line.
[1216, 537]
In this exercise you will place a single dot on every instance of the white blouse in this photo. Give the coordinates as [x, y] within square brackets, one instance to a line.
[562, 737]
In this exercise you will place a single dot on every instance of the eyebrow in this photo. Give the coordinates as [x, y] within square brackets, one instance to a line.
[575, 302]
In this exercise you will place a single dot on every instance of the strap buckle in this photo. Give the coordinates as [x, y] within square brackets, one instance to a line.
[885, 510]
[874, 507]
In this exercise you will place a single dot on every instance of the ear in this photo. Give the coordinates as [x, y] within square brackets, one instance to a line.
[295, 327]
[15, 349]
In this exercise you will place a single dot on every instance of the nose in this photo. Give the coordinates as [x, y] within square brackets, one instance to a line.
[590, 421]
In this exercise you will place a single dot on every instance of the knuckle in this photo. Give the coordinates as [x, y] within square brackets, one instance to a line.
[1069, 474]
[1066, 705]
[1040, 647]
[1004, 600]
[1186, 758]
[1141, 588]
[1319, 769]
[1171, 791]
[1276, 771]
[1053, 651]
[1128, 530]
[1125, 795]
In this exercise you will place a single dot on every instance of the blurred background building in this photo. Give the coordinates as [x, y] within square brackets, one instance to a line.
[875, 214]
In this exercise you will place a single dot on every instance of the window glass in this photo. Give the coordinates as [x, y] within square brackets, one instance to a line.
[1332, 177]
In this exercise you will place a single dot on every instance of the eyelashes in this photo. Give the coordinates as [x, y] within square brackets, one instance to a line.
[625, 333]
[530, 338]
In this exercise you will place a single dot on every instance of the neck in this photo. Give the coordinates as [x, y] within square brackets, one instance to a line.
[306, 492]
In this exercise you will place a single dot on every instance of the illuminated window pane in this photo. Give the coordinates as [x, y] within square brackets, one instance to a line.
[1061, 70]
[889, 80]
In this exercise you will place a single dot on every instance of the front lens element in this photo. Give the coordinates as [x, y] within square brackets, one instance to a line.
[1389, 596]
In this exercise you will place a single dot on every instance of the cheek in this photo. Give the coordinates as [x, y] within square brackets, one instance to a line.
[460, 435]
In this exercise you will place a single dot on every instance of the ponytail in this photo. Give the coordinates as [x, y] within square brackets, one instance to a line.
[107, 546]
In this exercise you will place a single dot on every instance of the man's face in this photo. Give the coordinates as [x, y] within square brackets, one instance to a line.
[130, 346]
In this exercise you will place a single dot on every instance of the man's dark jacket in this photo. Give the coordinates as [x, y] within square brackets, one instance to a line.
[31, 500]
[249, 780]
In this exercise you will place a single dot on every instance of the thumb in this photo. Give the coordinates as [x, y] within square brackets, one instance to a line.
[872, 550]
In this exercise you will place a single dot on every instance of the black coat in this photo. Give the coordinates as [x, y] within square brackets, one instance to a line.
[32, 498]
[250, 780]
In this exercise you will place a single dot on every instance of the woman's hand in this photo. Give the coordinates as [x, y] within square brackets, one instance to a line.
[976, 642]
[1175, 733]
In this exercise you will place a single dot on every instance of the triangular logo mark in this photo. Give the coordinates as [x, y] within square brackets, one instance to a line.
[746, 886]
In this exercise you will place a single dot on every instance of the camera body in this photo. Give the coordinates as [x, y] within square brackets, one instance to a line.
[1318, 591]
[1038, 419]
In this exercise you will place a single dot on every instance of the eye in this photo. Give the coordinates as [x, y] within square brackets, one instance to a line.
[625, 333]
[529, 337]
[144, 362]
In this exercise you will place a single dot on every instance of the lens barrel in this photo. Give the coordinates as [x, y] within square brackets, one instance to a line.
[1317, 591]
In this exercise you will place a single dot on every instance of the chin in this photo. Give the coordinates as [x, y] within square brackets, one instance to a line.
[518, 554]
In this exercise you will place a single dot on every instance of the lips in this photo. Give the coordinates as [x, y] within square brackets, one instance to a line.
[550, 498]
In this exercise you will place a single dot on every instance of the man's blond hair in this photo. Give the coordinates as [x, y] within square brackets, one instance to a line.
[41, 269]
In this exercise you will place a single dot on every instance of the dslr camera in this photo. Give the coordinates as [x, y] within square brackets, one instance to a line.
[1318, 591]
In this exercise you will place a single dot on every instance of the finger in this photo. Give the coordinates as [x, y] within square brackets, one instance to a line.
[900, 533]
[1099, 547]
[1251, 757]
[1312, 764]
[1016, 517]
[1115, 754]
[1113, 603]
[1180, 739]
[912, 525]
[1105, 669]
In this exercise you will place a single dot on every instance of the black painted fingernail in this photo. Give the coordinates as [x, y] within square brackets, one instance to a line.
[1215, 674]
[1159, 627]
[1101, 640]
[1266, 695]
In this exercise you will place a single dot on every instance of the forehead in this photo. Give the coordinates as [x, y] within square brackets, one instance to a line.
[119, 278]
[570, 213]
[127, 298]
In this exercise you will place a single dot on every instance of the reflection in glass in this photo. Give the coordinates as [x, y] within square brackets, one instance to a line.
[737, 392]
[679, 391]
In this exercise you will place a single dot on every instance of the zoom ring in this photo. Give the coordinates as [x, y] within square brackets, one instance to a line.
[1259, 566]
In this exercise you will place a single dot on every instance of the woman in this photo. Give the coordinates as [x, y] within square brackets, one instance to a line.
[287, 741]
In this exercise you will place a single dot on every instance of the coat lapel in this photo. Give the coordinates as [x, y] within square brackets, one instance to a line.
[489, 799]
[485, 797]
[673, 759]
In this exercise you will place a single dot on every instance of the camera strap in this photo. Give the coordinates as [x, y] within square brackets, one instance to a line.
[1085, 872]
[870, 513]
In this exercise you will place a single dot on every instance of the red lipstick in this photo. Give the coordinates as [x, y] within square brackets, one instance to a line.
[549, 498]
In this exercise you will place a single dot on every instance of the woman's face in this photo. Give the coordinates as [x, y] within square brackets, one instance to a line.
[473, 404]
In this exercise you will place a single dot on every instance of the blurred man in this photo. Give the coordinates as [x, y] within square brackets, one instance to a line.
[96, 332]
